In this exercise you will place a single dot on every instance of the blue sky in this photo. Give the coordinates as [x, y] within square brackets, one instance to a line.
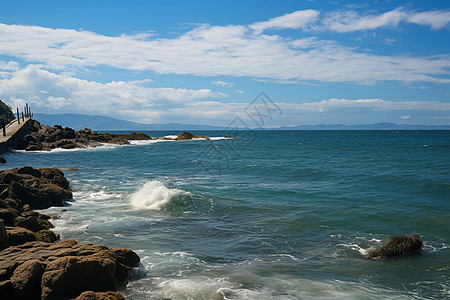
[203, 62]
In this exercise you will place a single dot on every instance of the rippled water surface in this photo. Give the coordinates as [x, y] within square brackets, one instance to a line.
[272, 215]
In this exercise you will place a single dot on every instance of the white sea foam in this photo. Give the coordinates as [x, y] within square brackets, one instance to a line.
[102, 146]
[154, 196]
[364, 252]
[147, 142]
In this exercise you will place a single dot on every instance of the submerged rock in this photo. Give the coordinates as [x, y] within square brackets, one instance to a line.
[399, 245]
[64, 270]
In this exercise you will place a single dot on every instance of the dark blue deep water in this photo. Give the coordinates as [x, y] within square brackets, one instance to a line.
[272, 215]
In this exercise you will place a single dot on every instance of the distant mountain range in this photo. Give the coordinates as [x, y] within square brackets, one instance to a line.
[102, 123]
[79, 121]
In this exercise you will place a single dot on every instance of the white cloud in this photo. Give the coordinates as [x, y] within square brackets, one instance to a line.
[220, 50]
[346, 21]
[436, 19]
[43, 89]
[9, 66]
[349, 20]
[223, 83]
[295, 20]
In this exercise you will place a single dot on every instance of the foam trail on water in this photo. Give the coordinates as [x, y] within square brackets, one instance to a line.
[154, 196]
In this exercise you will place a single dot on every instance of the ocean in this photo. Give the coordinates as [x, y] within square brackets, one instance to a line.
[271, 215]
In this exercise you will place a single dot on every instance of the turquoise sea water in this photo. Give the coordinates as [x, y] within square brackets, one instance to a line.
[272, 215]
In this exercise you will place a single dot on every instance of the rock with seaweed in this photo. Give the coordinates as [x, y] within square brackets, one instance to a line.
[398, 245]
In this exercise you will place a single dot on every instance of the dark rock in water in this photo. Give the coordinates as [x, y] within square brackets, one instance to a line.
[90, 295]
[189, 136]
[64, 270]
[399, 245]
[2, 160]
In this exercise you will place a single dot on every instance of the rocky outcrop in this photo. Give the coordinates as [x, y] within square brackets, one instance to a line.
[32, 266]
[189, 136]
[63, 270]
[37, 188]
[399, 245]
[22, 190]
[42, 137]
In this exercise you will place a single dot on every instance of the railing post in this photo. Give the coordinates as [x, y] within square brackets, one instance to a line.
[26, 110]
[4, 127]
[18, 116]
[23, 118]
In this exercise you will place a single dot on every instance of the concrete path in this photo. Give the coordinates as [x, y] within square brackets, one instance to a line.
[11, 129]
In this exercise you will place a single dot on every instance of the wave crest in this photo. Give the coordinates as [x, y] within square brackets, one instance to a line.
[155, 196]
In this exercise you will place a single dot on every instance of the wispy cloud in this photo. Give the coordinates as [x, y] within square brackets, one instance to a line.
[348, 20]
[223, 83]
[295, 20]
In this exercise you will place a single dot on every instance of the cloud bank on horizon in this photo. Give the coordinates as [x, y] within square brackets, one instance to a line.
[64, 70]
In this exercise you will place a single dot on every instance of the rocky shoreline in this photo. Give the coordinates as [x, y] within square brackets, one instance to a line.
[42, 137]
[33, 264]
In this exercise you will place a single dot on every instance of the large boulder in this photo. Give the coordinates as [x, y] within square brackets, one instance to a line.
[399, 245]
[18, 236]
[38, 188]
[64, 270]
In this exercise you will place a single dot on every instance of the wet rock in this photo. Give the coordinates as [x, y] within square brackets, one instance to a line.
[2, 160]
[399, 245]
[189, 136]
